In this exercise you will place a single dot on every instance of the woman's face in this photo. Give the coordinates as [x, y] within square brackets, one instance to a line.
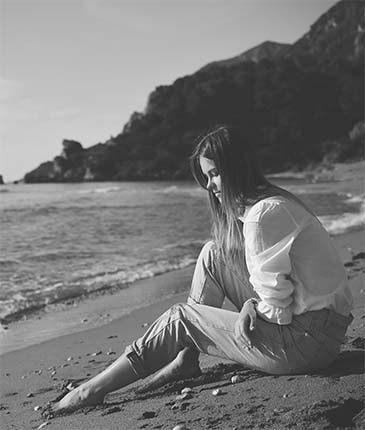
[212, 175]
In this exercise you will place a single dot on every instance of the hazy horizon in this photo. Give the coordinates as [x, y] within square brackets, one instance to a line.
[77, 69]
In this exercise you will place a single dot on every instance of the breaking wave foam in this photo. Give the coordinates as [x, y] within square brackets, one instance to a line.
[27, 301]
[347, 221]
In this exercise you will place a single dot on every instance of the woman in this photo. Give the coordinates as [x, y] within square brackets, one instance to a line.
[270, 257]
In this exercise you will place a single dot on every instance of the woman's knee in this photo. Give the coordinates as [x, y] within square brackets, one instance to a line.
[182, 313]
[178, 311]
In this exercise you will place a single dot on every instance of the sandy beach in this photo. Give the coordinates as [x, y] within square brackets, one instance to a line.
[38, 364]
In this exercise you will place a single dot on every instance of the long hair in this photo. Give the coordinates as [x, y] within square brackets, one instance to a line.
[242, 184]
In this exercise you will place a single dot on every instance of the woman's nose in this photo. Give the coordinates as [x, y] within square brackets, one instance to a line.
[210, 184]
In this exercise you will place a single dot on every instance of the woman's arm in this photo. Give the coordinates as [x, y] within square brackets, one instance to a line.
[269, 234]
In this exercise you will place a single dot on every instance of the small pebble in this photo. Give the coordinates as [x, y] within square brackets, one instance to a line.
[53, 373]
[148, 414]
[110, 352]
[186, 390]
[184, 405]
[145, 324]
[180, 427]
[37, 408]
[184, 396]
[217, 392]
[111, 410]
[70, 358]
[70, 386]
[30, 395]
[24, 376]
[43, 425]
[286, 395]
[235, 379]
[175, 406]
[94, 354]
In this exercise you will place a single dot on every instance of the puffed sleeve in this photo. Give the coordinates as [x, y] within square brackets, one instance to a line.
[269, 233]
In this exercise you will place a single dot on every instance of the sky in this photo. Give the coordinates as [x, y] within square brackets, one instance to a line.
[78, 69]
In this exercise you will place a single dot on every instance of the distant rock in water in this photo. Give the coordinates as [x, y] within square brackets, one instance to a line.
[66, 167]
[1, 180]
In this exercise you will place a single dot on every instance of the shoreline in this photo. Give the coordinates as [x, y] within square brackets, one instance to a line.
[94, 311]
[344, 179]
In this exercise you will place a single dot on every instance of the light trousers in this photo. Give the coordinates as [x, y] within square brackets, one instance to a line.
[309, 343]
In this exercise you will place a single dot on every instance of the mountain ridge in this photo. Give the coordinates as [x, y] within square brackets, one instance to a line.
[299, 102]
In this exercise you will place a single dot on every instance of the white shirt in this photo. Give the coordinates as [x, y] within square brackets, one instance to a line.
[292, 263]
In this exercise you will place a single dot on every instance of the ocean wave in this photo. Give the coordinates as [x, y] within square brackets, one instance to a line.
[181, 189]
[339, 214]
[102, 190]
[347, 221]
[26, 301]
[4, 262]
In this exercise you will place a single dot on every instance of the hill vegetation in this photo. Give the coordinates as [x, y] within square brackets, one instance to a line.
[300, 104]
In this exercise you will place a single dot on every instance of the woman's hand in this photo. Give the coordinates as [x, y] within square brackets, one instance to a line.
[246, 323]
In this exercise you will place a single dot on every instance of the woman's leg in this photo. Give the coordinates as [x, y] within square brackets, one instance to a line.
[306, 344]
[207, 288]
[116, 376]
[310, 342]
[209, 330]
[179, 330]
[213, 281]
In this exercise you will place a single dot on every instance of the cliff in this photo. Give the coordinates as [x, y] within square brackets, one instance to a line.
[299, 102]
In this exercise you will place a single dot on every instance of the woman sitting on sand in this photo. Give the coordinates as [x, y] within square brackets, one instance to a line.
[270, 257]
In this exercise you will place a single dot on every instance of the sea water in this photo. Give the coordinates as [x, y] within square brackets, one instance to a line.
[61, 241]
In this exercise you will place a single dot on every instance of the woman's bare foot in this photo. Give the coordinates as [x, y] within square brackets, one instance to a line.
[80, 397]
[184, 366]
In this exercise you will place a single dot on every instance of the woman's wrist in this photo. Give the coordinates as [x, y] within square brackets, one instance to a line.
[254, 302]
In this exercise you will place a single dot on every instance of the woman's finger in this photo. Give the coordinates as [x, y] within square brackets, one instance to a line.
[253, 321]
[240, 333]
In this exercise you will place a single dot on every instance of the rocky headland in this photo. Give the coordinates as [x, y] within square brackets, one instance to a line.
[300, 104]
